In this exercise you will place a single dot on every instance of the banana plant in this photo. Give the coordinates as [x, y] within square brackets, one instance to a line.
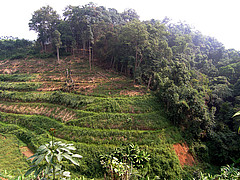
[48, 160]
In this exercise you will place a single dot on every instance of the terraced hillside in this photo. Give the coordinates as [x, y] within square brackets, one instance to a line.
[96, 110]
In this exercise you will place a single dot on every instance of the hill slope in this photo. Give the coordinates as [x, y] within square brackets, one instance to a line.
[97, 110]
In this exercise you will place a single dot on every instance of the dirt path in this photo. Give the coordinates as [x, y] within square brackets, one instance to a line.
[182, 151]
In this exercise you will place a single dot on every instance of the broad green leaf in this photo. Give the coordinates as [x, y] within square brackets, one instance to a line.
[35, 159]
[64, 149]
[30, 171]
[58, 150]
[70, 158]
[40, 158]
[48, 157]
[43, 151]
[37, 171]
[41, 148]
[60, 143]
[76, 156]
[33, 156]
[41, 168]
[71, 148]
[47, 170]
[236, 114]
[51, 159]
[59, 156]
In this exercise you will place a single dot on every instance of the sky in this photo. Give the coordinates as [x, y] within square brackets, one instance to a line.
[216, 18]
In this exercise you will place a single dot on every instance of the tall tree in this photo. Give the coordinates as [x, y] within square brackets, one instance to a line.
[129, 15]
[44, 21]
[57, 41]
[134, 34]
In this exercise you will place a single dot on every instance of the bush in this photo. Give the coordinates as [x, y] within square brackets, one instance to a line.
[227, 172]
[18, 56]
[44, 55]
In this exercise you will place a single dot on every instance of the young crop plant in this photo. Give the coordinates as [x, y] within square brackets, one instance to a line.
[49, 160]
[126, 162]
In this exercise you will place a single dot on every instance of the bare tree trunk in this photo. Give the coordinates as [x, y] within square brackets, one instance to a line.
[42, 45]
[92, 55]
[136, 60]
[84, 48]
[58, 54]
[89, 52]
[140, 61]
[135, 68]
[113, 64]
[149, 81]
[122, 68]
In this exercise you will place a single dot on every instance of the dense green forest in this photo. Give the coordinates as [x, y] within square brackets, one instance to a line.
[192, 77]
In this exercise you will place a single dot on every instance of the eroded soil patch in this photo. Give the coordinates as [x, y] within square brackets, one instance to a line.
[26, 151]
[184, 156]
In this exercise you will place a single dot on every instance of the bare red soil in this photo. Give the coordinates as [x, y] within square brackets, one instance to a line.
[184, 156]
[3, 178]
[26, 151]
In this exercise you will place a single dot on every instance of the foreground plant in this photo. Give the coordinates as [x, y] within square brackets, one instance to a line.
[49, 159]
[227, 172]
[125, 163]
[235, 115]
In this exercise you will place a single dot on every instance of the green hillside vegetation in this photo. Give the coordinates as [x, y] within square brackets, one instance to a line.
[11, 157]
[96, 121]
[120, 81]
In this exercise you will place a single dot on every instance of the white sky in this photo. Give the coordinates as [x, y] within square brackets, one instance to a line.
[216, 18]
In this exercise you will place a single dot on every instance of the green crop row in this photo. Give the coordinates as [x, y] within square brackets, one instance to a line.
[163, 163]
[36, 123]
[39, 124]
[98, 104]
[143, 121]
[118, 137]
[17, 77]
[57, 112]
[137, 104]
[25, 96]
[20, 86]
[72, 117]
